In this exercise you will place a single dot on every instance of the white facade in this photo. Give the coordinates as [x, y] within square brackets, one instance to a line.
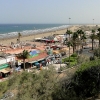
[2, 61]
[10, 59]
[7, 59]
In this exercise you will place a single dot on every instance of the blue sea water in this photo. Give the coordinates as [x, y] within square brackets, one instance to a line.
[12, 30]
[7, 28]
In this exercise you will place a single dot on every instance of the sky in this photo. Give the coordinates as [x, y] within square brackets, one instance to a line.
[50, 11]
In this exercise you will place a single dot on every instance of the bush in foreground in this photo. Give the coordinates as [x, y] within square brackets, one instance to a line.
[86, 81]
[34, 86]
[47, 86]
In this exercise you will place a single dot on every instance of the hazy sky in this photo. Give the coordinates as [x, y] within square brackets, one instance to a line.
[49, 11]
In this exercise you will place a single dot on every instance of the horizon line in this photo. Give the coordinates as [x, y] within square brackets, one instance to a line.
[57, 23]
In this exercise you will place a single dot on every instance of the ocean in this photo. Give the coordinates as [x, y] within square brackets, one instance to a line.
[11, 30]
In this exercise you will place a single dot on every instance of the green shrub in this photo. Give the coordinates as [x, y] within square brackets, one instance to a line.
[88, 64]
[73, 63]
[3, 87]
[92, 58]
[97, 52]
[74, 55]
[86, 81]
[72, 59]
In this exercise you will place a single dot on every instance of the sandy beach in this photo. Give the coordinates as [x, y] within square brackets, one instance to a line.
[31, 37]
[40, 35]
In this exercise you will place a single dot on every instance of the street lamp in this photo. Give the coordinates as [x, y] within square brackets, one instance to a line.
[93, 22]
[69, 21]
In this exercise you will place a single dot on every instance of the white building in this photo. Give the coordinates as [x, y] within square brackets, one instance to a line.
[7, 58]
[6, 61]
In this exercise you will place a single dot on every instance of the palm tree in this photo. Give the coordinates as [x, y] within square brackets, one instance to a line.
[98, 35]
[69, 33]
[74, 40]
[80, 32]
[83, 37]
[19, 35]
[24, 55]
[92, 37]
[93, 31]
[69, 43]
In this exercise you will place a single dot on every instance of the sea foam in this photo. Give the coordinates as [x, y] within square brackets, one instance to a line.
[30, 32]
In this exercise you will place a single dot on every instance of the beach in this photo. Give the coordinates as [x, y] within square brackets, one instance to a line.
[31, 37]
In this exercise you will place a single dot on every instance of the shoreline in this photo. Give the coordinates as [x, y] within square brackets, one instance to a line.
[7, 41]
[31, 37]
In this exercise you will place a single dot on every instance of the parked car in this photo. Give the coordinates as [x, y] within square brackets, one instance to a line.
[54, 47]
[58, 55]
[86, 47]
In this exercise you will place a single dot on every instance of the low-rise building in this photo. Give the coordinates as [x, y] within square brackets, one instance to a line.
[7, 61]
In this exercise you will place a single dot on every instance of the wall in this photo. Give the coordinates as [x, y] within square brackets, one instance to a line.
[7, 60]
[2, 61]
